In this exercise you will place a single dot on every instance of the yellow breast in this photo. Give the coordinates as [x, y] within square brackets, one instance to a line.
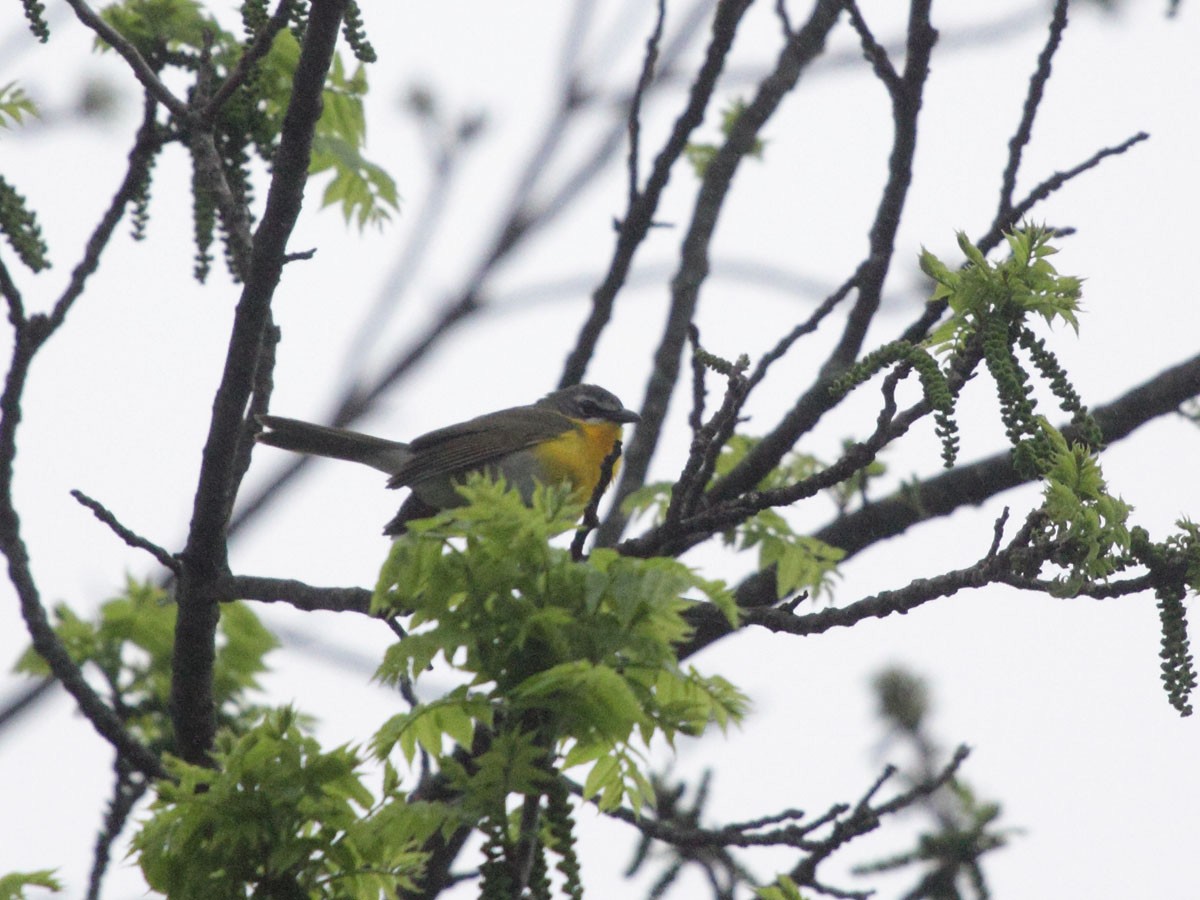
[575, 456]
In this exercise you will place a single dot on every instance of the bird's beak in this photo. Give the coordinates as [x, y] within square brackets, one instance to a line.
[627, 415]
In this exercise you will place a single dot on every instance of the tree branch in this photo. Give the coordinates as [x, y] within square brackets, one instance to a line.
[147, 143]
[1033, 100]
[971, 485]
[871, 273]
[906, 96]
[300, 595]
[141, 69]
[101, 512]
[795, 57]
[30, 334]
[639, 215]
[205, 554]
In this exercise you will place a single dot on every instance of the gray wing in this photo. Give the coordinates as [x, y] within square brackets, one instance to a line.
[474, 444]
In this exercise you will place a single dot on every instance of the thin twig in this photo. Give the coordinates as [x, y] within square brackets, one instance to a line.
[1052, 184]
[635, 102]
[696, 416]
[706, 446]
[639, 217]
[590, 517]
[101, 512]
[807, 327]
[874, 51]
[1033, 101]
[147, 143]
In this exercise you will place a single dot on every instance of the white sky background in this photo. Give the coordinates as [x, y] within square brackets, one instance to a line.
[1059, 699]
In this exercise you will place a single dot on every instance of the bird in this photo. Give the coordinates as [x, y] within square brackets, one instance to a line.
[563, 438]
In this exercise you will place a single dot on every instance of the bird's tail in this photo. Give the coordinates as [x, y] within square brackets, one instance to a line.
[337, 443]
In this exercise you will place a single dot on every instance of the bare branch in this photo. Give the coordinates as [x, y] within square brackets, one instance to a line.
[906, 99]
[128, 789]
[866, 817]
[707, 442]
[31, 333]
[635, 103]
[795, 57]
[874, 52]
[1052, 184]
[881, 605]
[131, 538]
[1033, 100]
[12, 297]
[147, 143]
[807, 327]
[639, 217]
[868, 279]
[296, 593]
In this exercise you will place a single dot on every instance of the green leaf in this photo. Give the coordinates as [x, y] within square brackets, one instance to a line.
[591, 701]
[278, 809]
[155, 26]
[605, 776]
[784, 888]
[15, 104]
[13, 884]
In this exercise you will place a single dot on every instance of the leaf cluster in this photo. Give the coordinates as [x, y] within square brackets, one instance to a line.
[572, 655]
[180, 34]
[130, 643]
[1082, 524]
[990, 303]
[280, 817]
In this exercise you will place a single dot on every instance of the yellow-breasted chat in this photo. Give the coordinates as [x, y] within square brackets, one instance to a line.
[561, 439]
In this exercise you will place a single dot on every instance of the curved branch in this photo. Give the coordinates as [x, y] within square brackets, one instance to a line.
[31, 334]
